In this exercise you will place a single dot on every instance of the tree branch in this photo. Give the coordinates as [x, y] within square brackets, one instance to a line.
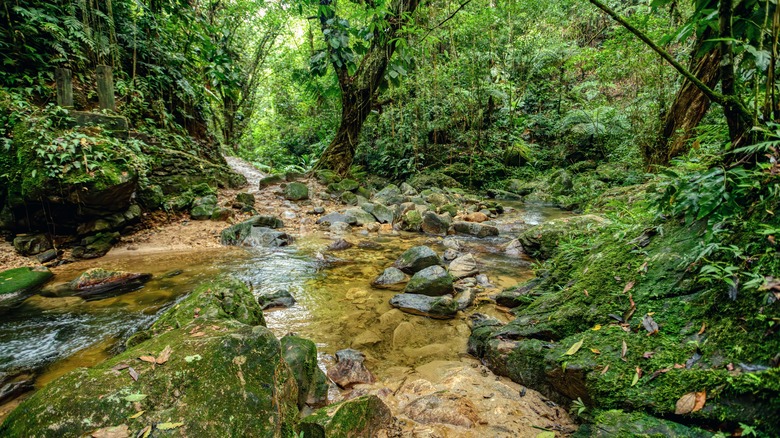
[463, 5]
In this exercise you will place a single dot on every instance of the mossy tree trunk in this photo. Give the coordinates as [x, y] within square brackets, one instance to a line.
[359, 90]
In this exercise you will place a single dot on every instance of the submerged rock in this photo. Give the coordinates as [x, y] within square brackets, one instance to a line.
[434, 307]
[340, 245]
[99, 282]
[266, 237]
[278, 298]
[350, 369]
[366, 416]
[431, 281]
[391, 278]
[416, 259]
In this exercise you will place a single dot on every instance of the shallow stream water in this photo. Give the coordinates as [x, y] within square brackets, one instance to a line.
[51, 334]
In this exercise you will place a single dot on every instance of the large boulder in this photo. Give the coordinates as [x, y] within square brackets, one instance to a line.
[332, 218]
[464, 266]
[92, 247]
[350, 369]
[474, 229]
[389, 195]
[19, 282]
[390, 278]
[433, 307]
[296, 191]
[236, 234]
[301, 355]
[541, 240]
[99, 283]
[266, 237]
[416, 259]
[31, 244]
[433, 223]
[361, 216]
[432, 281]
[204, 374]
[411, 221]
[365, 416]
[382, 214]
[614, 423]
[203, 208]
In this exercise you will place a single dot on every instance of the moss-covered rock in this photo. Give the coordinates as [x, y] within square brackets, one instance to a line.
[296, 191]
[422, 181]
[411, 221]
[218, 373]
[432, 281]
[541, 240]
[416, 259]
[301, 355]
[32, 244]
[235, 234]
[23, 280]
[616, 423]
[364, 416]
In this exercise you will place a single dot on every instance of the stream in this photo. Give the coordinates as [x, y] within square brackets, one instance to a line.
[49, 335]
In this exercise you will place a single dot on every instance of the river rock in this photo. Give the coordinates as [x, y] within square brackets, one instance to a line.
[31, 244]
[432, 281]
[349, 369]
[332, 218]
[474, 229]
[20, 280]
[382, 213]
[450, 254]
[296, 191]
[411, 221]
[464, 266]
[433, 223]
[277, 298]
[513, 247]
[361, 216]
[416, 259]
[231, 358]
[266, 237]
[367, 338]
[244, 201]
[349, 198]
[340, 245]
[47, 256]
[465, 298]
[435, 408]
[236, 234]
[391, 278]
[301, 355]
[203, 207]
[270, 180]
[517, 295]
[92, 247]
[541, 240]
[99, 282]
[443, 307]
[12, 390]
[389, 195]
[340, 228]
[477, 217]
[366, 416]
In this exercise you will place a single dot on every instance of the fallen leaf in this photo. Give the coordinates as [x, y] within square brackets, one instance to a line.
[701, 399]
[149, 359]
[685, 404]
[194, 357]
[164, 355]
[133, 373]
[629, 286]
[199, 334]
[168, 426]
[679, 366]
[574, 348]
[658, 373]
[120, 366]
[643, 268]
[650, 325]
[586, 292]
[637, 375]
[624, 351]
[136, 415]
[195, 329]
[545, 434]
[648, 354]
[135, 397]
[730, 367]
[121, 431]
[144, 433]
[604, 371]
[703, 327]
[771, 239]
[597, 327]
[595, 351]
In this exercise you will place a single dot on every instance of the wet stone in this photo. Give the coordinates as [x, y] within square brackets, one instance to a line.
[433, 307]
[391, 278]
[277, 298]
[332, 218]
[431, 281]
[340, 245]
[416, 259]
[350, 369]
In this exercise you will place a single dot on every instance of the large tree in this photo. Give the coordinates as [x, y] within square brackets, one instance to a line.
[360, 68]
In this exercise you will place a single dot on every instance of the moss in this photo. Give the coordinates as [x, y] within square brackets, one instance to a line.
[23, 279]
[360, 417]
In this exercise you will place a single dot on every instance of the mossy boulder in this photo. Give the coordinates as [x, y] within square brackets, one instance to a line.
[432, 281]
[365, 416]
[203, 208]
[236, 234]
[349, 198]
[411, 221]
[32, 244]
[614, 423]
[95, 246]
[422, 181]
[270, 180]
[390, 195]
[443, 307]
[99, 282]
[20, 281]
[296, 191]
[474, 229]
[215, 374]
[416, 259]
[361, 216]
[540, 241]
[301, 355]
[382, 214]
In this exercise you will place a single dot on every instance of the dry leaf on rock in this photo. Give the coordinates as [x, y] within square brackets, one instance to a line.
[629, 286]
[624, 350]
[690, 402]
[121, 431]
[164, 355]
[149, 359]
[133, 373]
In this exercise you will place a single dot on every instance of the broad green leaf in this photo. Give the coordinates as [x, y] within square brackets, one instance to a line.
[574, 348]
[169, 426]
[135, 397]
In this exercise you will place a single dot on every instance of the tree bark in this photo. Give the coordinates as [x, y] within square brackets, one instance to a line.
[359, 90]
[689, 107]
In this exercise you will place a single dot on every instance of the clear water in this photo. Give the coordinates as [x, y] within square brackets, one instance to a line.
[53, 334]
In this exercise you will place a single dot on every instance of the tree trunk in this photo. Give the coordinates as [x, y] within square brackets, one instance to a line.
[689, 107]
[355, 107]
[737, 117]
